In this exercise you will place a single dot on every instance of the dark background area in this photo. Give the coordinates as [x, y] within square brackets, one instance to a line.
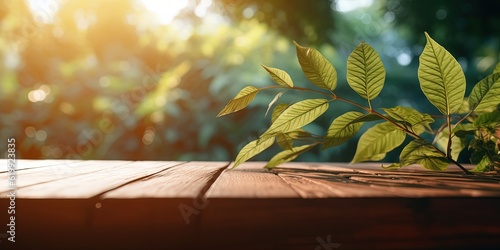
[113, 79]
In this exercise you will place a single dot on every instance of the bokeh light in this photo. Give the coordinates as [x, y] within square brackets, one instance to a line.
[145, 79]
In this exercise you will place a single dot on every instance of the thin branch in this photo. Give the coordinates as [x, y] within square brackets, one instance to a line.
[460, 166]
[463, 118]
[297, 88]
[336, 97]
[448, 147]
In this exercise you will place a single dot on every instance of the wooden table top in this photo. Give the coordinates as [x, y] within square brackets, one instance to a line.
[71, 204]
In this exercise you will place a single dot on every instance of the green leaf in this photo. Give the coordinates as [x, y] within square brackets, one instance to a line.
[393, 166]
[497, 68]
[407, 114]
[240, 101]
[409, 117]
[279, 76]
[423, 153]
[276, 97]
[377, 141]
[299, 133]
[317, 68]
[341, 129]
[463, 129]
[297, 116]
[465, 107]
[367, 118]
[278, 110]
[253, 148]
[485, 95]
[284, 141]
[457, 143]
[441, 77]
[288, 155]
[488, 120]
[483, 166]
[365, 71]
[482, 149]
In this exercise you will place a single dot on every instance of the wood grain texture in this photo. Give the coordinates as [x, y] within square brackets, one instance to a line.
[47, 173]
[367, 181]
[22, 164]
[83, 179]
[205, 205]
[250, 180]
[163, 209]
[183, 181]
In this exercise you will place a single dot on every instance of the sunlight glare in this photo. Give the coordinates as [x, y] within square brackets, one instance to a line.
[165, 10]
[350, 5]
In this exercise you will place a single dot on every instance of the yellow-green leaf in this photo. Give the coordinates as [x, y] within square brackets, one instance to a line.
[392, 166]
[240, 101]
[423, 153]
[405, 114]
[365, 71]
[441, 77]
[485, 96]
[284, 141]
[299, 133]
[288, 155]
[253, 148]
[497, 68]
[488, 120]
[463, 129]
[465, 107]
[410, 118]
[341, 129]
[278, 110]
[483, 166]
[317, 68]
[377, 141]
[367, 118]
[279, 76]
[297, 116]
[457, 143]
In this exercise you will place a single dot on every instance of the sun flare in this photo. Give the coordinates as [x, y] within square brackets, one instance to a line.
[165, 10]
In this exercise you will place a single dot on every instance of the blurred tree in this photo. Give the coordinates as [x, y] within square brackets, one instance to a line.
[467, 28]
[107, 80]
[308, 21]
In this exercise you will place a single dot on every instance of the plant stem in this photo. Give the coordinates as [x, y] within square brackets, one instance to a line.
[463, 118]
[336, 97]
[460, 166]
[448, 147]
[297, 88]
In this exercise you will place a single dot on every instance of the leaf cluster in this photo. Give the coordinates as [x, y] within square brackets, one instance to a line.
[474, 119]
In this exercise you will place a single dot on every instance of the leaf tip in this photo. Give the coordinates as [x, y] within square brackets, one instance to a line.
[427, 36]
[221, 113]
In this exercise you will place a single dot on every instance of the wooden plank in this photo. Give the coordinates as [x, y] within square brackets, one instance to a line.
[186, 180]
[311, 185]
[362, 185]
[89, 180]
[250, 180]
[22, 164]
[34, 176]
[163, 209]
[374, 183]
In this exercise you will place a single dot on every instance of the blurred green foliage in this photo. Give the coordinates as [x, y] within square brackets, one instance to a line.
[109, 80]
